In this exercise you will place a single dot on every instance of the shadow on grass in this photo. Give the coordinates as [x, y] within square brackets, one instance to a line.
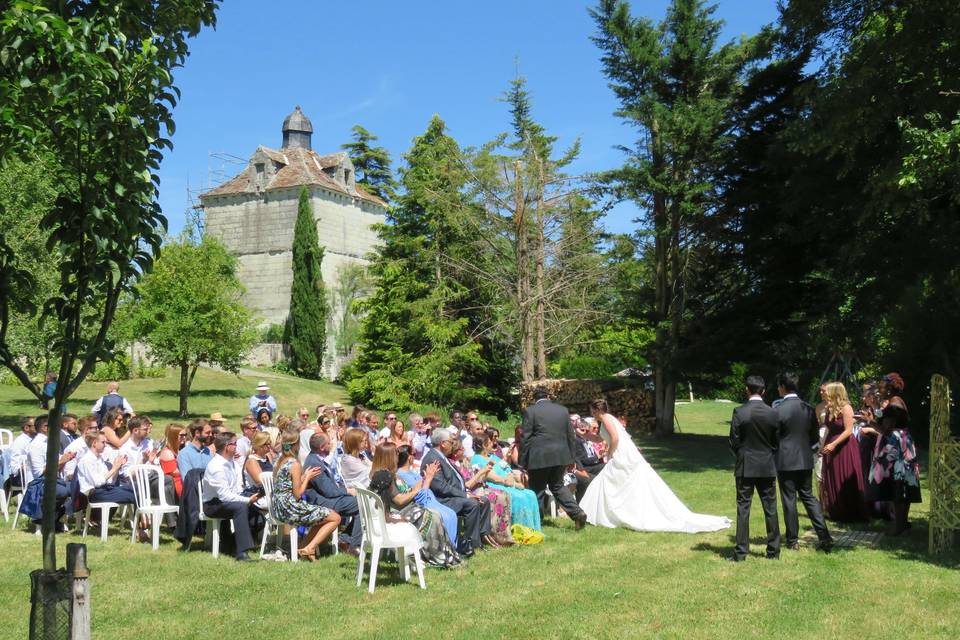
[688, 452]
[200, 393]
[914, 545]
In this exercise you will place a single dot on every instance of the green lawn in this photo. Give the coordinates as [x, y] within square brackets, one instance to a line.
[594, 584]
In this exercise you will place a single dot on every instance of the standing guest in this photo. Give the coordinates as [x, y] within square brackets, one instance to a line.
[399, 498]
[262, 400]
[864, 430]
[19, 449]
[524, 509]
[111, 400]
[425, 497]
[354, 469]
[449, 487]
[98, 480]
[754, 439]
[799, 433]
[49, 389]
[588, 464]
[174, 439]
[221, 495]
[196, 454]
[114, 427]
[79, 446]
[420, 439]
[842, 488]
[328, 490]
[291, 483]
[475, 482]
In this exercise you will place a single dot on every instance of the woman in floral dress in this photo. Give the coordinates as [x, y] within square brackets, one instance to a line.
[476, 484]
[290, 483]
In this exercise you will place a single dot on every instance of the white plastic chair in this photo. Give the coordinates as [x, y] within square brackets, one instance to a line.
[551, 502]
[378, 534]
[213, 525]
[266, 479]
[6, 439]
[105, 508]
[140, 479]
[17, 488]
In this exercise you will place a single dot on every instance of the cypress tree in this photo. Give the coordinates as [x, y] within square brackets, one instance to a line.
[307, 324]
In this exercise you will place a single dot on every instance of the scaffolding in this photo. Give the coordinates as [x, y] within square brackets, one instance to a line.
[221, 166]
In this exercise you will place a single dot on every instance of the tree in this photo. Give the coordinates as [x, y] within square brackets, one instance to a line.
[190, 313]
[308, 312]
[675, 85]
[90, 86]
[352, 285]
[372, 164]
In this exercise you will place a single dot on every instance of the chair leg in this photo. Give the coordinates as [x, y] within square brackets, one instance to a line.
[360, 561]
[155, 534]
[335, 541]
[418, 561]
[16, 514]
[215, 538]
[263, 540]
[374, 559]
[6, 505]
[86, 521]
[294, 544]
[104, 522]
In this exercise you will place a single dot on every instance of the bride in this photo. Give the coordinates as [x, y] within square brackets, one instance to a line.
[629, 493]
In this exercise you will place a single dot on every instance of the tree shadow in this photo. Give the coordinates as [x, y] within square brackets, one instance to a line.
[199, 393]
[688, 452]
[914, 545]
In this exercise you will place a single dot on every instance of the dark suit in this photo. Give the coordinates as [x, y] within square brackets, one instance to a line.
[799, 433]
[325, 491]
[450, 489]
[546, 450]
[588, 461]
[754, 437]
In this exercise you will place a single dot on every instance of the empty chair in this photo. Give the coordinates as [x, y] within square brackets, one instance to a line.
[153, 508]
[378, 534]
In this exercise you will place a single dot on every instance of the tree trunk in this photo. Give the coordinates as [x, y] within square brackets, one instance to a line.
[48, 522]
[540, 259]
[527, 365]
[185, 380]
[663, 348]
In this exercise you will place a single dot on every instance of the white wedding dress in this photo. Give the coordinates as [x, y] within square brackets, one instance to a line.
[629, 493]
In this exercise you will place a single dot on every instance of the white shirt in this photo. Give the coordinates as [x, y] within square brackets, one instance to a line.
[79, 447]
[18, 454]
[37, 456]
[91, 472]
[790, 395]
[467, 441]
[96, 405]
[760, 398]
[136, 453]
[221, 481]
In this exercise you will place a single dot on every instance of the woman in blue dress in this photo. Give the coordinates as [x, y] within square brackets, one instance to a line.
[425, 497]
[524, 508]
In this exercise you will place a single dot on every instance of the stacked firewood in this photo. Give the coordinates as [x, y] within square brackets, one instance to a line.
[628, 398]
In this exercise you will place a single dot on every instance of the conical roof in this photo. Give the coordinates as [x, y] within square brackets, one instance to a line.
[296, 121]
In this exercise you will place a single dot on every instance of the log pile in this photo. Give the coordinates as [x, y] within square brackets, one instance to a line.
[628, 398]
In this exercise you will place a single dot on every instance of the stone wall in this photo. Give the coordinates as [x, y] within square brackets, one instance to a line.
[629, 398]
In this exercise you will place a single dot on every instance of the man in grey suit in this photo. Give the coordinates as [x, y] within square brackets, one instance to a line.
[754, 437]
[547, 449]
[799, 434]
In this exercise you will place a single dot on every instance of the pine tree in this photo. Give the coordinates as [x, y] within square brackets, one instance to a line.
[372, 164]
[307, 331]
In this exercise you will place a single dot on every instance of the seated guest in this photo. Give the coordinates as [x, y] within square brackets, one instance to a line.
[196, 453]
[306, 431]
[256, 464]
[138, 449]
[221, 495]
[588, 464]
[420, 440]
[326, 490]
[476, 484]
[425, 497]
[98, 480]
[400, 499]
[37, 462]
[290, 484]
[19, 452]
[79, 446]
[354, 469]
[498, 444]
[449, 487]
[513, 456]
[174, 438]
[263, 417]
[397, 435]
[524, 507]
[248, 427]
[114, 426]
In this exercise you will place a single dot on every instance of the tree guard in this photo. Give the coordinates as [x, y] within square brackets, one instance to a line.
[944, 473]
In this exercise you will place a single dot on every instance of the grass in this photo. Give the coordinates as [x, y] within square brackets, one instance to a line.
[597, 583]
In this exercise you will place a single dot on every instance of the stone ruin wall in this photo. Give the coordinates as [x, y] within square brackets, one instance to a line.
[627, 397]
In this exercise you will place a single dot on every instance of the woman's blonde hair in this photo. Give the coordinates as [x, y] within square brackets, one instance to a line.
[836, 399]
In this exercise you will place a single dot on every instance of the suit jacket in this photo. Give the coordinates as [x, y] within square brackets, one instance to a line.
[189, 516]
[324, 485]
[548, 437]
[799, 432]
[587, 458]
[448, 483]
[754, 437]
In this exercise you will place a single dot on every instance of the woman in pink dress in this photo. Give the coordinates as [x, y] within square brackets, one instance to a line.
[842, 486]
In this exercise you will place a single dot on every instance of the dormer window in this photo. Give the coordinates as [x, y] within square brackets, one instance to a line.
[346, 176]
[261, 178]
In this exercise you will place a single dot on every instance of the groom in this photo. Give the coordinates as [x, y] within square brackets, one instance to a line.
[754, 438]
[546, 449]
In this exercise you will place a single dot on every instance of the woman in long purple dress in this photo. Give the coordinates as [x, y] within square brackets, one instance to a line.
[842, 486]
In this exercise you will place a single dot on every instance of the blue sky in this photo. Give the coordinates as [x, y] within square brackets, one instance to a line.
[390, 66]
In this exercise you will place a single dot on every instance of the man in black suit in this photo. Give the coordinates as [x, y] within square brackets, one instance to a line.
[326, 491]
[754, 434]
[588, 463]
[799, 434]
[449, 487]
[546, 450]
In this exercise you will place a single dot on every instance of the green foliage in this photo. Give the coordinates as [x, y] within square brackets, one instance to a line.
[308, 312]
[118, 368]
[273, 333]
[190, 312]
[284, 367]
[372, 164]
[352, 285]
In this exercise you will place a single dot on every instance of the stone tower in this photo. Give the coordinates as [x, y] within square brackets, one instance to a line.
[254, 214]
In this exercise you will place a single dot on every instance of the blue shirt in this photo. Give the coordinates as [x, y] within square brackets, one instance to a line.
[192, 458]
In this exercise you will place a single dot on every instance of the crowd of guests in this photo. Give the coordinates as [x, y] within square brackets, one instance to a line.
[458, 483]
